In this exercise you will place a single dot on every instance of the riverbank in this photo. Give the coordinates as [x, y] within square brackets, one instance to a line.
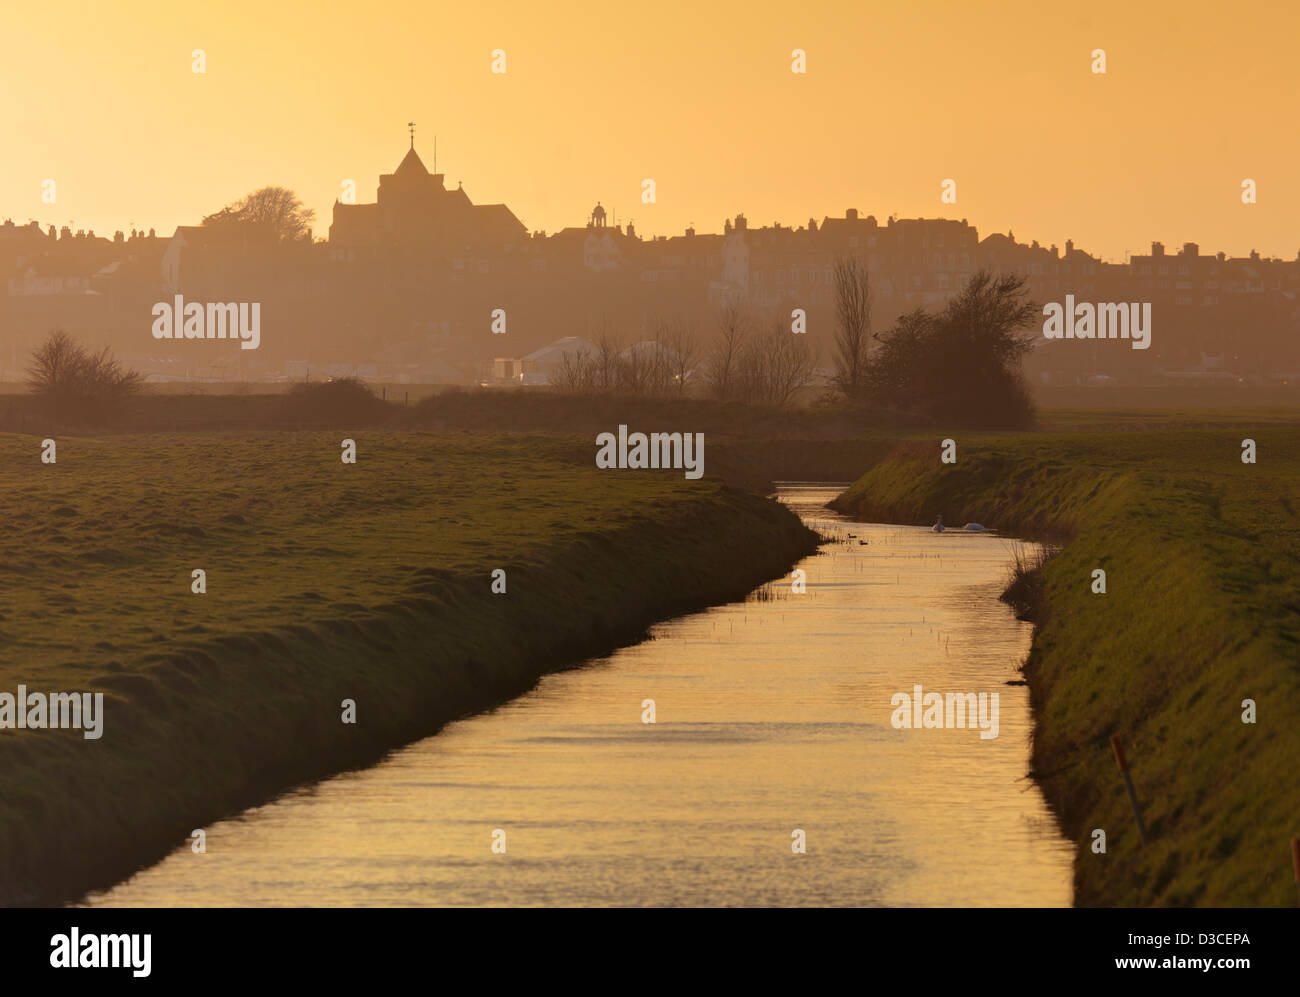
[325, 582]
[1201, 612]
[764, 724]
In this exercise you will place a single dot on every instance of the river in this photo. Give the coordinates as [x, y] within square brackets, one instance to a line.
[772, 716]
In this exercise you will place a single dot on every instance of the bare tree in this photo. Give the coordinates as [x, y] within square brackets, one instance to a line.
[746, 384]
[606, 363]
[790, 364]
[576, 373]
[55, 362]
[679, 354]
[773, 366]
[74, 382]
[658, 367]
[641, 369]
[721, 365]
[853, 327]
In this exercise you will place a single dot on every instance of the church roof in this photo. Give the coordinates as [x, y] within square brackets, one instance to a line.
[411, 163]
[499, 219]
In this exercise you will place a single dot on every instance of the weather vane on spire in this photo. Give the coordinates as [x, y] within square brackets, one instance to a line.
[411, 125]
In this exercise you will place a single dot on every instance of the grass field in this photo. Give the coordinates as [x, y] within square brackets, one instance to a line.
[1201, 611]
[371, 582]
[325, 581]
[1139, 419]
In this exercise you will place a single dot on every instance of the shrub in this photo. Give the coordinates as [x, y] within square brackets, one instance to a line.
[340, 401]
[76, 384]
[962, 365]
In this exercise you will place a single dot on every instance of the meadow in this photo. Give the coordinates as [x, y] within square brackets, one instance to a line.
[1201, 612]
[372, 582]
[324, 581]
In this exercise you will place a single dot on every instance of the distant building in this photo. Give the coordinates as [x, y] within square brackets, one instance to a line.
[551, 357]
[412, 285]
[414, 210]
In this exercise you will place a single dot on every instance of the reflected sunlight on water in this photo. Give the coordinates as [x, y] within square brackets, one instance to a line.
[772, 715]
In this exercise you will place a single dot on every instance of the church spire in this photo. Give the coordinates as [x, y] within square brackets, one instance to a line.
[411, 125]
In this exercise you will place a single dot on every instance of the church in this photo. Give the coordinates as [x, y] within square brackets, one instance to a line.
[415, 212]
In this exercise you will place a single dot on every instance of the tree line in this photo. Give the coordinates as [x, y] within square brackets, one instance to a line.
[749, 362]
[960, 364]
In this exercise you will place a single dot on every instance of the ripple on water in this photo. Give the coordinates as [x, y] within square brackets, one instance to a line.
[771, 715]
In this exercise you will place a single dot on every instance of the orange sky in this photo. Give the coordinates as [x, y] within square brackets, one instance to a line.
[698, 96]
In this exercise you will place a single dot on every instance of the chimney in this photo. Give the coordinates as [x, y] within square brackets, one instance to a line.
[851, 214]
[1157, 249]
[1191, 249]
[1069, 246]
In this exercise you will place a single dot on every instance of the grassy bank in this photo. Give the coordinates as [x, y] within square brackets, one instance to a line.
[325, 582]
[1201, 611]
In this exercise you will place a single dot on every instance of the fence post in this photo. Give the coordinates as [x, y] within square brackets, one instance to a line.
[1295, 861]
[1122, 762]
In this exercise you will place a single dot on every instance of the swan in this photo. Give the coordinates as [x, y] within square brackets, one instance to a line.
[938, 526]
[975, 528]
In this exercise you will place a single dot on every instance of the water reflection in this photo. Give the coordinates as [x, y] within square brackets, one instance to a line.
[772, 715]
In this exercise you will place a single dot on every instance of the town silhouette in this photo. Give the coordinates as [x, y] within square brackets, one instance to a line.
[418, 285]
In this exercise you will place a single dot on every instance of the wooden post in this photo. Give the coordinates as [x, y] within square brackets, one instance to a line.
[1122, 762]
[1295, 861]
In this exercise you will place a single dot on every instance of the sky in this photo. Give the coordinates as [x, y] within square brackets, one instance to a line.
[700, 97]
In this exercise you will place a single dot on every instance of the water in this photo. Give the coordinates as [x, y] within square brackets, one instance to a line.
[772, 715]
